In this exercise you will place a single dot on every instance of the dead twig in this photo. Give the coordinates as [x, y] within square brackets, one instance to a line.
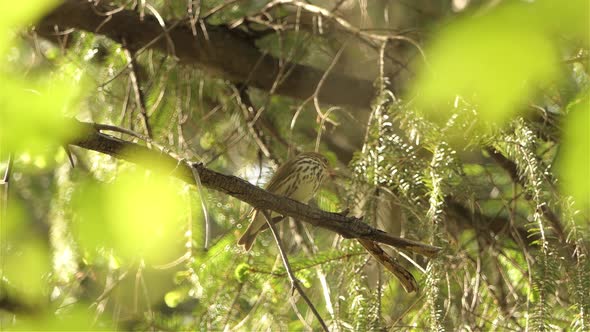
[294, 282]
[139, 95]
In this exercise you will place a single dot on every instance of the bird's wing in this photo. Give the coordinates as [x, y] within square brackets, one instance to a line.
[274, 184]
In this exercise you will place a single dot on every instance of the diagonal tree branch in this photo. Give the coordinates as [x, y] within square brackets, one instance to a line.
[510, 167]
[349, 227]
[137, 91]
[220, 51]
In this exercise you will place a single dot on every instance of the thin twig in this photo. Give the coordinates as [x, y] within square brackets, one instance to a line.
[292, 278]
[245, 104]
[139, 95]
[100, 126]
[316, 92]
[344, 24]
[194, 15]
[8, 170]
[231, 307]
[218, 8]
[169, 42]
[222, 42]
[111, 285]
[204, 206]
[3, 217]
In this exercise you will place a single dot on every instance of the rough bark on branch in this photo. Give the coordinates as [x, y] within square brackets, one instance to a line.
[348, 227]
[218, 50]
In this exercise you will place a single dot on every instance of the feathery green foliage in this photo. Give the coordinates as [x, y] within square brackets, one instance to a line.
[476, 141]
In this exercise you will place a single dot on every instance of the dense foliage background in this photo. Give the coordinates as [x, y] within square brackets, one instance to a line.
[462, 124]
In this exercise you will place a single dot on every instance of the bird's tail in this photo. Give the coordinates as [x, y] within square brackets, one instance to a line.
[249, 236]
[247, 240]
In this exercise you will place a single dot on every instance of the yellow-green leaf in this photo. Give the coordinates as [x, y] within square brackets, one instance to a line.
[495, 60]
[574, 161]
[138, 215]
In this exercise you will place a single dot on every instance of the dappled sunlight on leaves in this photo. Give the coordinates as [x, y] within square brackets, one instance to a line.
[19, 13]
[25, 258]
[26, 269]
[574, 161]
[138, 215]
[31, 114]
[480, 157]
[496, 60]
[75, 318]
[32, 108]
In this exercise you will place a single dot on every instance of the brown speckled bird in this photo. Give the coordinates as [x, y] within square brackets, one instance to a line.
[299, 179]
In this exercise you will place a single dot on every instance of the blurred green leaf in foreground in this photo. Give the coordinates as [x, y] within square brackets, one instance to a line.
[138, 215]
[496, 60]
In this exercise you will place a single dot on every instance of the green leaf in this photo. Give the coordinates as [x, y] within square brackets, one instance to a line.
[32, 113]
[242, 271]
[574, 162]
[495, 60]
[26, 268]
[18, 13]
[76, 318]
[175, 297]
[138, 215]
